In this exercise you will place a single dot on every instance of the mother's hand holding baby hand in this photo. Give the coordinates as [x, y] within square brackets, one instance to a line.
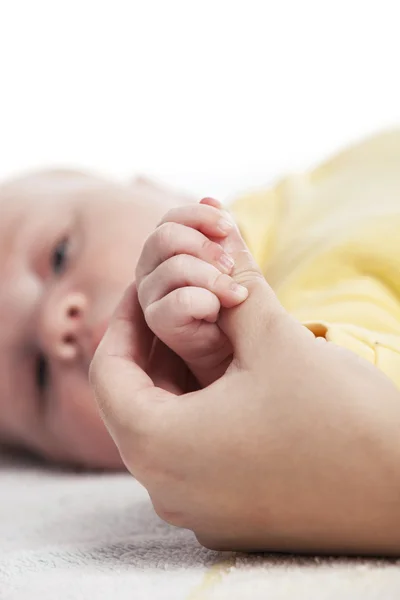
[295, 447]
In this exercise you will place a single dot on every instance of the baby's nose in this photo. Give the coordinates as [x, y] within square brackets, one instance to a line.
[63, 326]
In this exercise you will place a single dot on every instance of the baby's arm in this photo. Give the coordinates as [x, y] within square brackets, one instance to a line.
[183, 279]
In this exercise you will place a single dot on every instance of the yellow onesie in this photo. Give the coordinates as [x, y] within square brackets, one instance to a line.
[329, 244]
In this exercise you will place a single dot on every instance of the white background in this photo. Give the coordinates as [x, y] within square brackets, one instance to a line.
[210, 95]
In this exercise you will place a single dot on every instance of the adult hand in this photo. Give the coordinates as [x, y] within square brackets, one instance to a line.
[295, 448]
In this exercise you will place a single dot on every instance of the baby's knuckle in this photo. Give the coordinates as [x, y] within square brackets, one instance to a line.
[150, 313]
[166, 218]
[166, 235]
[202, 212]
[178, 263]
[147, 250]
[183, 299]
[147, 245]
[209, 211]
[220, 281]
[141, 291]
[209, 247]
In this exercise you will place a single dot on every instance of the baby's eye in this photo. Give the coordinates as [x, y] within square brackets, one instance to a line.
[41, 372]
[59, 256]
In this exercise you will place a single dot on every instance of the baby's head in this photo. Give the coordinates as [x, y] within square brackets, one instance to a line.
[69, 244]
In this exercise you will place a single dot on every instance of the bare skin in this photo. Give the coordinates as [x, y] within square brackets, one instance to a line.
[69, 245]
[294, 448]
[183, 279]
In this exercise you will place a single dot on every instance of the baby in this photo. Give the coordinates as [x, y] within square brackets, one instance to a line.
[69, 244]
[327, 242]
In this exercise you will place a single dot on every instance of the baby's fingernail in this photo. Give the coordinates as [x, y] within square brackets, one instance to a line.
[224, 225]
[240, 291]
[226, 262]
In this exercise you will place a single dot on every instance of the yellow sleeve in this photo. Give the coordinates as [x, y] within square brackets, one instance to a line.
[360, 313]
[328, 243]
[382, 350]
[375, 336]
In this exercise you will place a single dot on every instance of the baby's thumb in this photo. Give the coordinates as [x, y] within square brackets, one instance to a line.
[249, 322]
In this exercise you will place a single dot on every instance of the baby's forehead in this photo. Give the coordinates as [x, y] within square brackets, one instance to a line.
[33, 193]
[24, 199]
[12, 215]
[45, 184]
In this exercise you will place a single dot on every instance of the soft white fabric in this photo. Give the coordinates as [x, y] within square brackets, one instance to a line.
[73, 536]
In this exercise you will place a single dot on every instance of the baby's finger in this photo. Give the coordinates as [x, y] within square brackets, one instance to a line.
[212, 202]
[181, 307]
[171, 239]
[210, 220]
[185, 320]
[123, 389]
[184, 270]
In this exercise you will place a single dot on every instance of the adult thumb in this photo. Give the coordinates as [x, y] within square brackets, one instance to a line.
[118, 370]
[249, 322]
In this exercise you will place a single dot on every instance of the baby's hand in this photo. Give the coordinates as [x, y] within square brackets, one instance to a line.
[183, 280]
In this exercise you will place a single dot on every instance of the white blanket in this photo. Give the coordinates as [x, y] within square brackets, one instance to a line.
[67, 536]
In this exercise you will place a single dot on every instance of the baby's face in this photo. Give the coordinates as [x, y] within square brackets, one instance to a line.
[69, 244]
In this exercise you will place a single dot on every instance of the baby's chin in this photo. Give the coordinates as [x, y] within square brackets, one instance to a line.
[96, 450]
[99, 452]
[106, 459]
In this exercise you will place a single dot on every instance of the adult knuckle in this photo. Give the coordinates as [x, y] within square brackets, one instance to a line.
[249, 273]
[98, 381]
[145, 422]
[140, 462]
[137, 446]
[171, 517]
[207, 211]
[94, 371]
[207, 541]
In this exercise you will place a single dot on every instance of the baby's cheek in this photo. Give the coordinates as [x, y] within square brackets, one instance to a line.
[78, 429]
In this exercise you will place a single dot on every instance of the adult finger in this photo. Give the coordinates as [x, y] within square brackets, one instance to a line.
[118, 371]
[245, 323]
